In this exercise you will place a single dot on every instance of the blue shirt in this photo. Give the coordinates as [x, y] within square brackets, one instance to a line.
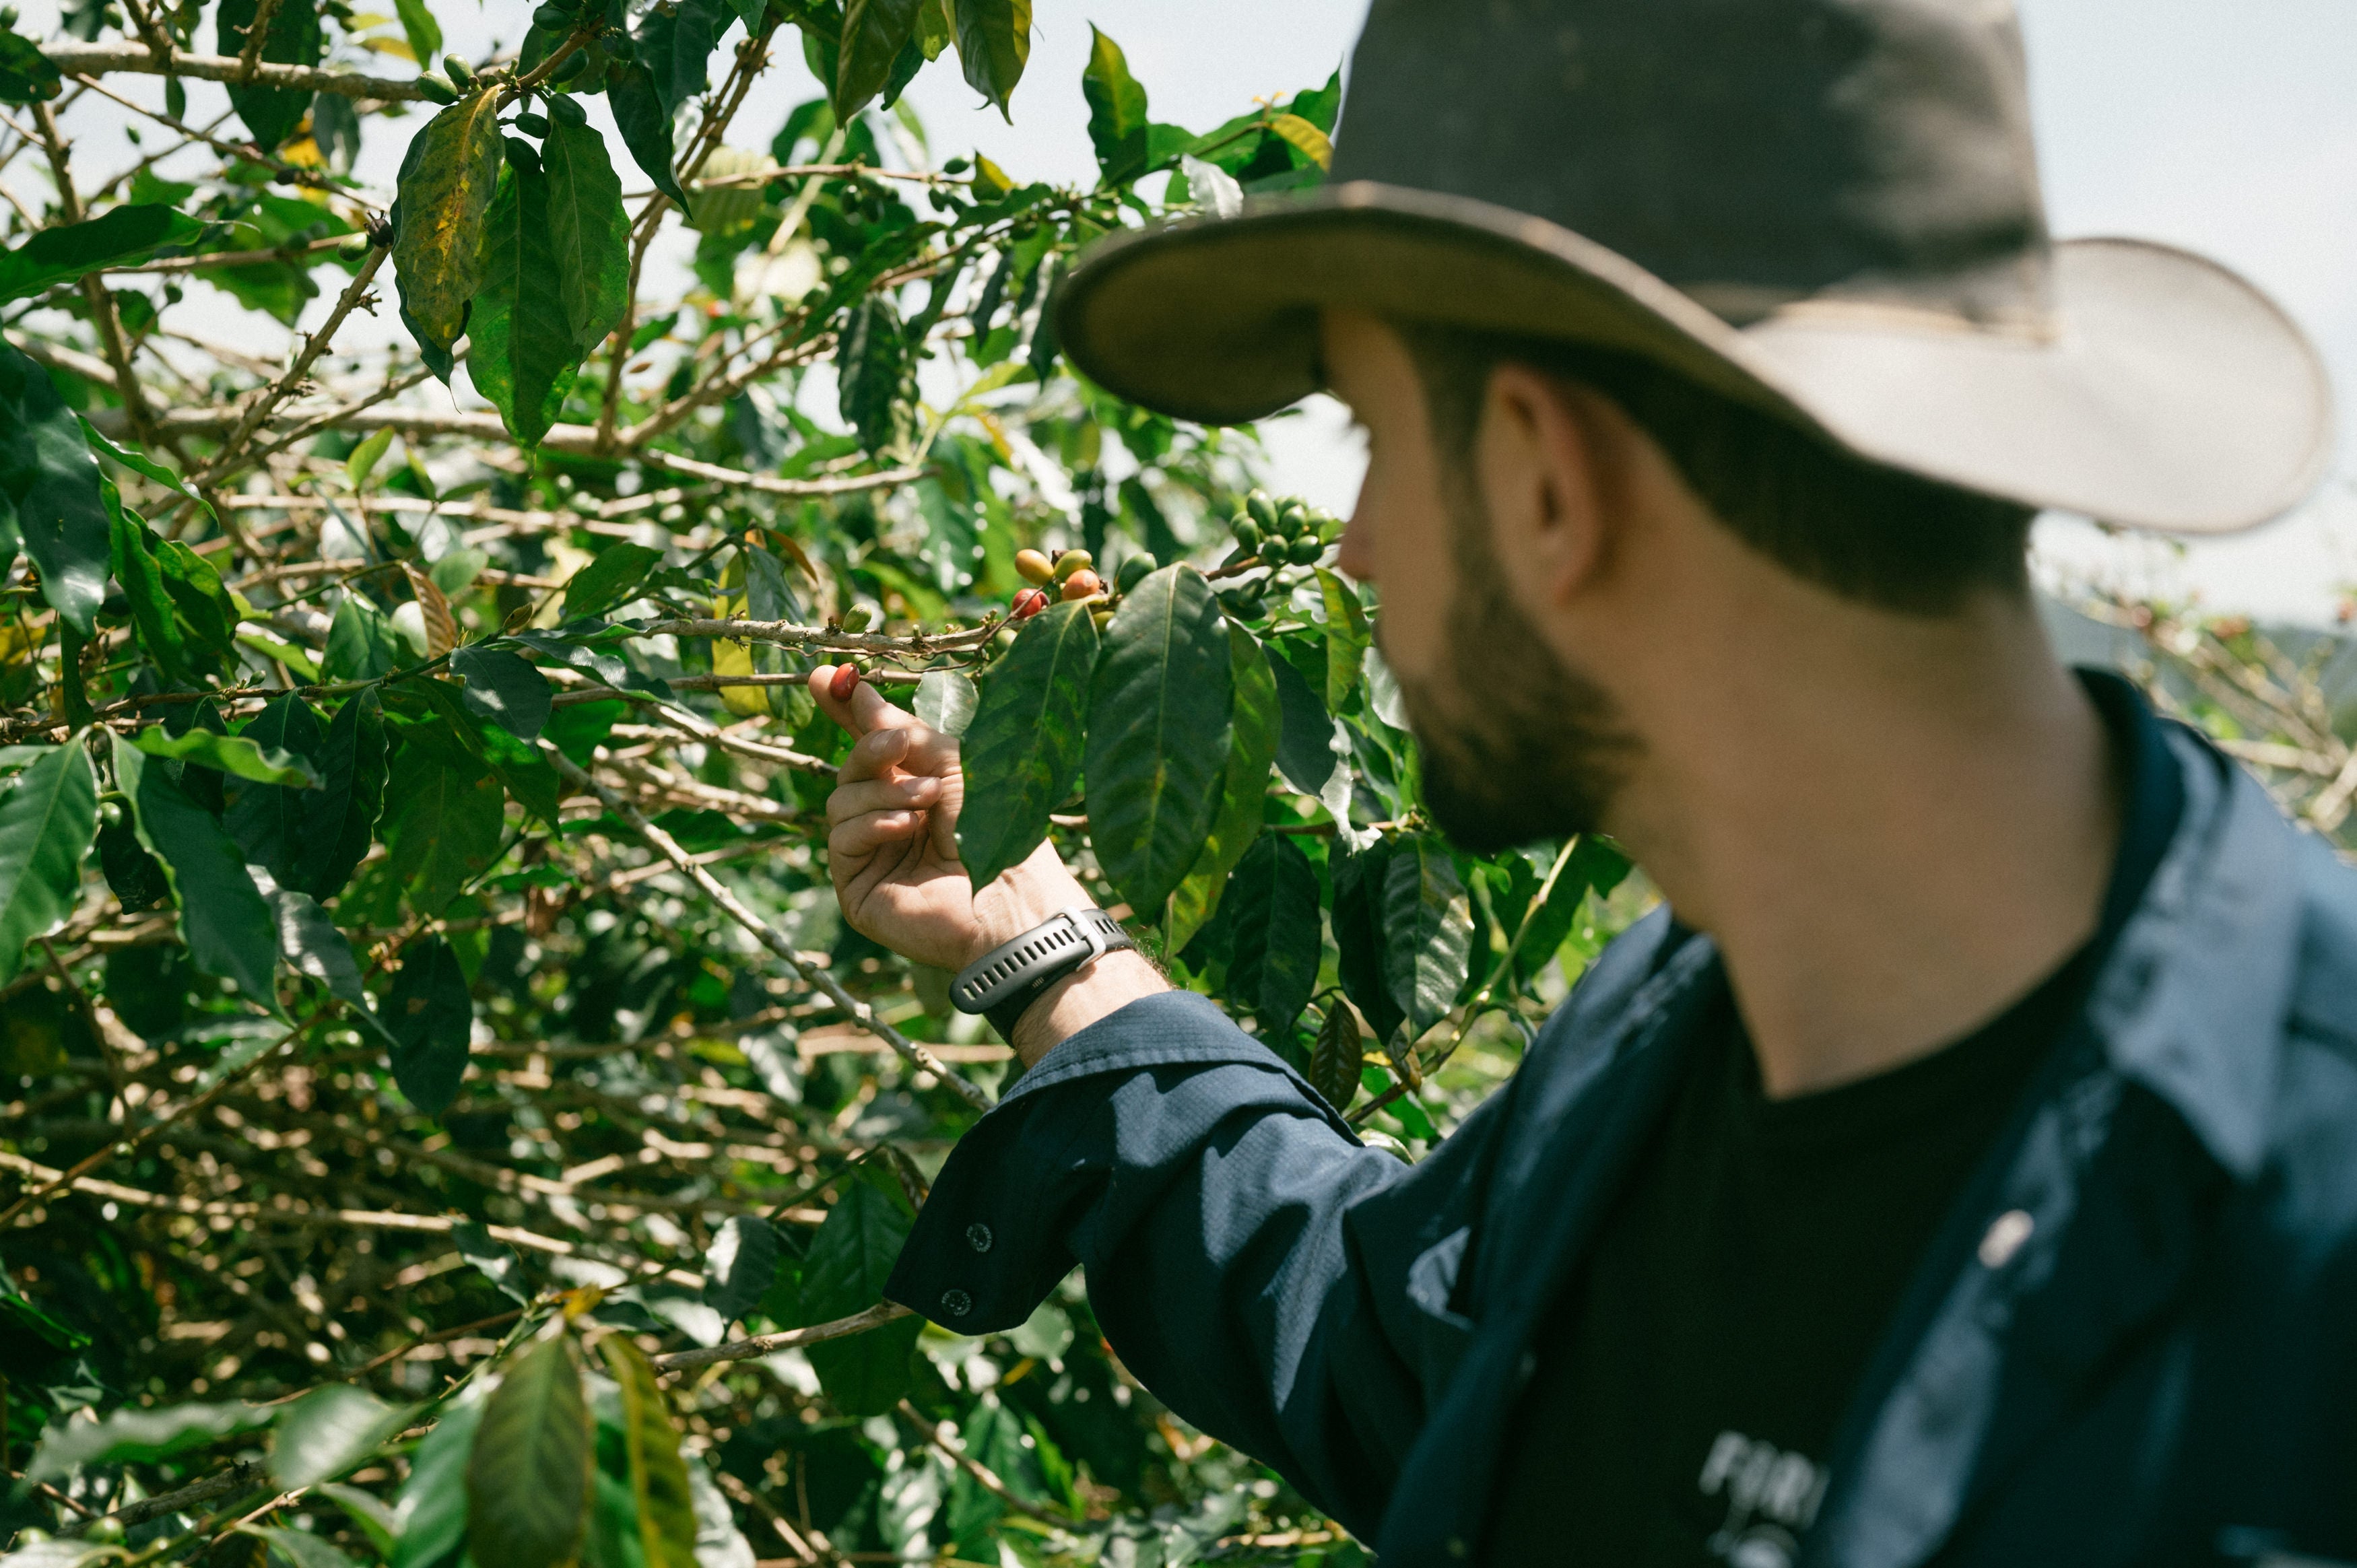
[2134, 1338]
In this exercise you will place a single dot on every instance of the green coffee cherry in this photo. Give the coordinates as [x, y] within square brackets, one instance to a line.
[355, 248]
[1247, 535]
[437, 88]
[1293, 521]
[1133, 571]
[532, 125]
[1070, 562]
[461, 73]
[1244, 605]
[956, 165]
[567, 108]
[1306, 550]
[857, 617]
[553, 18]
[1262, 511]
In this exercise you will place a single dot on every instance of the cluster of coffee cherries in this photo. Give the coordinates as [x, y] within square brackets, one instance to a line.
[1282, 536]
[1070, 577]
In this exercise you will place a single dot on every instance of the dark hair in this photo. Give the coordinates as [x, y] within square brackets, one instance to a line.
[1867, 533]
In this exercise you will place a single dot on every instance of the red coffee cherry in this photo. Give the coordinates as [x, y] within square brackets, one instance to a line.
[845, 681]
[1028, 603]
[1082, 584]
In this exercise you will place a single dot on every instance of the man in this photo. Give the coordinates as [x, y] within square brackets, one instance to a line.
[1963, 1166]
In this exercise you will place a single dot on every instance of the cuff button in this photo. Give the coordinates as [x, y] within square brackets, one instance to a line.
[977, 1236]
[956, 1303]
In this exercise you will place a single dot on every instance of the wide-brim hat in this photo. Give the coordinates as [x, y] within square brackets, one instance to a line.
[1827, 209]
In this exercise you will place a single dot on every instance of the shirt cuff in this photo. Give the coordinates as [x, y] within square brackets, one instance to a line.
[1122, 1103]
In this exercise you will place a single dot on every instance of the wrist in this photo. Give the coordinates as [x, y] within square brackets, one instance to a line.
[1096, 990]
[1022, 898]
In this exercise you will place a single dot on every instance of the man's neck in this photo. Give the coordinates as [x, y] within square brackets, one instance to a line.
[1893, 829]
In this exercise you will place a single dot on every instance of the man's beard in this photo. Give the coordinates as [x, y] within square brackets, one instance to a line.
[1519, 747]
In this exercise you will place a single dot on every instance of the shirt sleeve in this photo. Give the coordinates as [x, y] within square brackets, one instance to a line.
[1247, 1257]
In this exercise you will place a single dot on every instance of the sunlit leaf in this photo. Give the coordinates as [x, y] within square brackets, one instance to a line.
[239, 755]
[64, 252]
[994, 42]
[1428, 931]
[328, 1430]
[588, 231]
[1022, 752]
[47, 816]
[1159, 709]
[133, 1434]
[1347, 638]
[609, 579]
[528, 1475]
[874, 34]
[1117, 111]
[524, 357]
[659, 1483]
[504, 689]
[738, 1268]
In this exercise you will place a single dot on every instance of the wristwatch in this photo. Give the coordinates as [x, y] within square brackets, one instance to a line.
[1002, 984]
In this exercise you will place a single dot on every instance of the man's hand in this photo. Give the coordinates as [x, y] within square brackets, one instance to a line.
[892, 842]
[892, 850]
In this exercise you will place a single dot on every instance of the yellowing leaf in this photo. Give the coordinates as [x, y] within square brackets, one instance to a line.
[1306, 136]
[732, 658]
[446, 186]
[441, 627]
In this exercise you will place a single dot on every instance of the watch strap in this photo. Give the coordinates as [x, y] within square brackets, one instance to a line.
[1004, 982]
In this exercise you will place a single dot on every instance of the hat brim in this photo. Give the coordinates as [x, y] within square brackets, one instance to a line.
[2165, 392]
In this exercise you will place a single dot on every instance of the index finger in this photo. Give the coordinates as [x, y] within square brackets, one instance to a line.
[868, 710]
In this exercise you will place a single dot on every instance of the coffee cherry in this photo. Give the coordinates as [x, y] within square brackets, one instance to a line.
[858, 618]
[1028, 603]
[567, 109]
[1100, 618]
[355, 249]
[845, 681]
[435, 89]
[1133, 571]
[1306, 550]
[461, 71]
[1293, 520]
[1247, 535]
[532, 125]
[1034, 567]
[1262, 510]
[1082, 584]
[1071, 561]
[552, 18]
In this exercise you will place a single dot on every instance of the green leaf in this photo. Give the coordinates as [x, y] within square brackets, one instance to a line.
[442, 825]
[994, 42]
[659, 1484]
[936, 27]
[423, 32]
[875, 379]
[236, 755]
[340, 817]
[874, 34]
[27, 76]
[946, 701]
[1022, 752]
[366, 456]
[48, 818]
[528, 1477]
[271, 114]
[223, 918]
[737, 1269]
[1117, 111]
[645, 124]
[266, 820]
[50, 496]
[431, 1517]
[504, 689]
[67, 251]
[849, 1260]
[494, 1259]
[299, 1547]
[1428, 931]
[1346, 637]
[139, 462]
[610, 578]
[1358, 917]
[675, 42]
[1253, 729]
[132, 1435]
[588, 231]
[1277, 937]
[431, 1019]
[1336, 1061]
[1305, 742]
[365, 1509]
[448, 179]
[315, 950]
[1158, 711]
[524, 359]
[330, 1431]
[361, 644]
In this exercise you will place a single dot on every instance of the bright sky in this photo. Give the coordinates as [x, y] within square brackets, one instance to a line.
[2230, 128]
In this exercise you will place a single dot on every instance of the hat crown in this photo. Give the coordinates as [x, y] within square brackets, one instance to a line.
[1752, 153]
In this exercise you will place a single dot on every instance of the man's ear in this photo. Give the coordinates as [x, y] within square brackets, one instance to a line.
[1541, 465]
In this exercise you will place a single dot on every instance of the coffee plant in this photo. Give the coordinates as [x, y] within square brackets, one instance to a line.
[442, 1116]
[446, 1119]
